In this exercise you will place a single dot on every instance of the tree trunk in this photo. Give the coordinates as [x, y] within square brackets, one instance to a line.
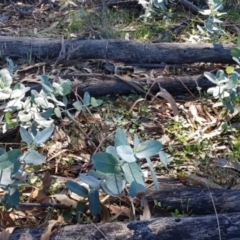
[118, 50]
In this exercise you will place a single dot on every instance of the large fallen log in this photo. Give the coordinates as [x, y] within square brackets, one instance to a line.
[195, 200]
[103, 85]
[119, 50]
[190, 228]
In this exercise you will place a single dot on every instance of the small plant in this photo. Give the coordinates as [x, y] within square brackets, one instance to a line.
[117, 167]
[227, 83]
[34, 115]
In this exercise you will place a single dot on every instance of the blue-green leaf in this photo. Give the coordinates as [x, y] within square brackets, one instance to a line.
[133, 173]
[96, 102]
[78, 105]
[90, 180]
[148, 148]
[9, 158]
[94, 203]
[113, 184]
[136, 187]
[163, 158]
[86, 99]
[120, 138]
[76, 188]
[44, 135]
[106, 163]
[126, 153]
[26, 136]
[12, 197]
[136, 142]
[33, 158]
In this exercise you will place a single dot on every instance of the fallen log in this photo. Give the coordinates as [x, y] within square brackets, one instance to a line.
[118, 50]
[195, 200]
[189, 228]
[110, 85]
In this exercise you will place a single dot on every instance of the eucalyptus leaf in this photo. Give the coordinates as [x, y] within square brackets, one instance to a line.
[78, 105]
[76, 188]
[136, 187]
[90, 180]
[46, 114]
[133, 173]
[113, 184]
[5, 78]
[26, 136]
[136, 142]
[96, 102]
[164, 159]
[9, 158]
[126, 153]
[57, 112]
[12, 197]
[120, 138]
[33, 158]
[44, 135]
[6, 177]
[106, 163]
[94, 202]
[112, 150]
[148, 148]
[86, 99]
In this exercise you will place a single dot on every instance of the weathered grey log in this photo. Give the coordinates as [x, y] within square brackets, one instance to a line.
[195, 200]
[102, 86]
[190, 228]
[118, 50]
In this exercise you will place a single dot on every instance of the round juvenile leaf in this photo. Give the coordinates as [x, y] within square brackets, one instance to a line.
[126, 153]
[229, 69]
[136, 187]
[78, 105]
[120, 138]
[113, 184]
[9, 158]
[33, 158]
[44, 135]
[106, 163]
[76, 188]
[210, 77]
[164, 158]
[148, 148]
[132, 172]
[26, 136]
[86, 99]
[112, 150]
[96, 102]
[91, 181]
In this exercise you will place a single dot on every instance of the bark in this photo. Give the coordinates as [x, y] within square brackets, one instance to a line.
[118, 50]
[197, 228]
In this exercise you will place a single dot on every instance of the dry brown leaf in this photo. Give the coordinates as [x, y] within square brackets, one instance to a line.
[105, 217]
[59, 199]
[6, 234]
[6, 220]
[120, 211]
[194, 111]
[166, 95]
[197, 181]
[49, 229]
[46, 181]
[146, 211]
